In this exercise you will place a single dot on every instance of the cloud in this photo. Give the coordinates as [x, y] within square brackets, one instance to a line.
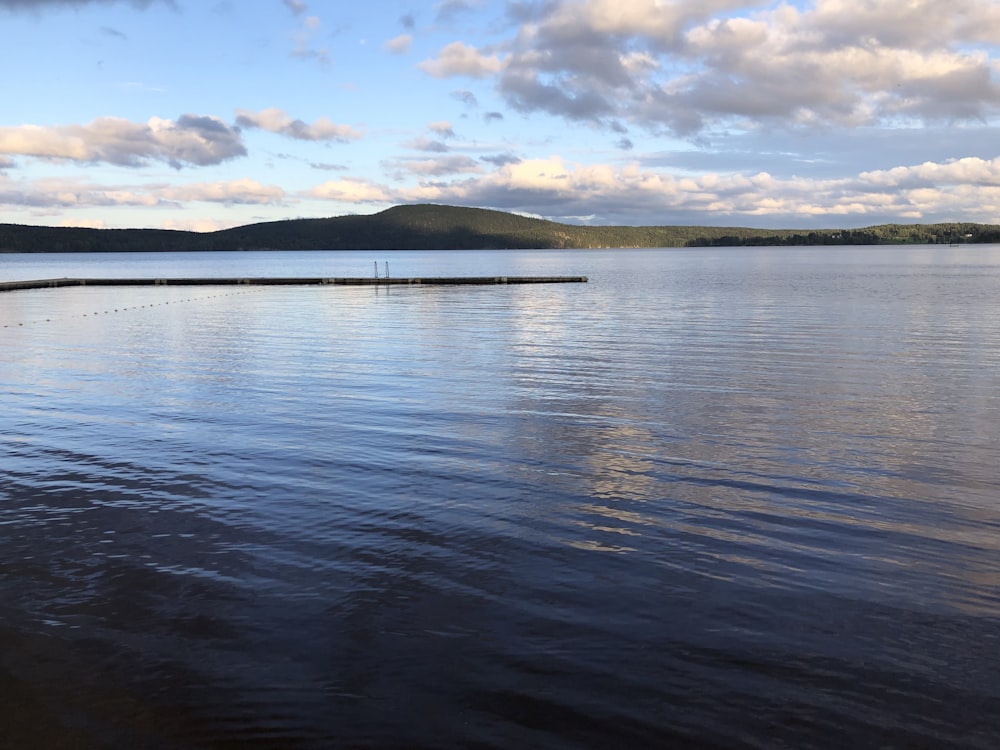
[63, 194]
[466, 97]
[66, 193]
[296, 6]
[499, 160]
[906, 24]
[631, 194]
[459, 59]
[439, 167]
[190, 140]
[43, 4]
[326, 167]
[243, 191]
[400, 44]
[443, 128]
[970, 171]
[426, 144]
[691, 65]
[303, 39]
[449, 9]
[275, 120]
[351, 191]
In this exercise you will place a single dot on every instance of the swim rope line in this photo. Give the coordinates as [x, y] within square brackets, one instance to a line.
[149, 305]
[247, 285]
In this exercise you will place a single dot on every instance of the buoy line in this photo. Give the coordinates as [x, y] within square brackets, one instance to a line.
[150, 306]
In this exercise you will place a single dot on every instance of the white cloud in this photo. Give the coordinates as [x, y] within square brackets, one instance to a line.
[972, 172]
[400, 44]
[631, 194]
[275, 120]
[351, 191]
[909, 24]
[460, 59]
[690, 65]
[190, 140]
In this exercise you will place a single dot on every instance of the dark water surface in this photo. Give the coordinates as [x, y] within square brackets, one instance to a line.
[713, 498]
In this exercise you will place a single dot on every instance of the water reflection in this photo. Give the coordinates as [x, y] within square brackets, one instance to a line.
[715, 499]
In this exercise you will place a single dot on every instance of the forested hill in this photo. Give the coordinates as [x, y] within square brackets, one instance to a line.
[433, 227]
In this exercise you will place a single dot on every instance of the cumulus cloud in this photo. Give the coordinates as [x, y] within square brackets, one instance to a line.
[971, 171]
[632, 194]
[400, 44]
[275, 120]
[190, 140]
[690, 65]
[460, 59]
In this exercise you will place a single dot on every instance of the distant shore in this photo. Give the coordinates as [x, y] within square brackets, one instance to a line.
[435, 227]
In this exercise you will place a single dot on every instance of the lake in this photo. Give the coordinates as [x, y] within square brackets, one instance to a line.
[713, 498]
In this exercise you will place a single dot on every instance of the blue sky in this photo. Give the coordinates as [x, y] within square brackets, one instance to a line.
[817, 113]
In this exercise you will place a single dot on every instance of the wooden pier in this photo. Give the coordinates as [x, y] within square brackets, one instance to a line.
[10, 286]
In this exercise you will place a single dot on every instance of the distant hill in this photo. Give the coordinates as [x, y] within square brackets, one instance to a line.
[435, 227]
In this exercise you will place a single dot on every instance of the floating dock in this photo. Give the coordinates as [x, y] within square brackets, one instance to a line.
[10, 286]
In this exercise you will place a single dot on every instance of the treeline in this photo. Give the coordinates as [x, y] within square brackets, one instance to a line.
[434, 227]
[18, 238]
[884, 234]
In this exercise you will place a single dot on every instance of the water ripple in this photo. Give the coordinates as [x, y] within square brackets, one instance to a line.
[710, 499]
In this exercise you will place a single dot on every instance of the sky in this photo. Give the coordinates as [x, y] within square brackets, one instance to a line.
[206, 115]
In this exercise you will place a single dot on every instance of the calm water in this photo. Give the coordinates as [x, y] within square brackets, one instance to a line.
[713, 498]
